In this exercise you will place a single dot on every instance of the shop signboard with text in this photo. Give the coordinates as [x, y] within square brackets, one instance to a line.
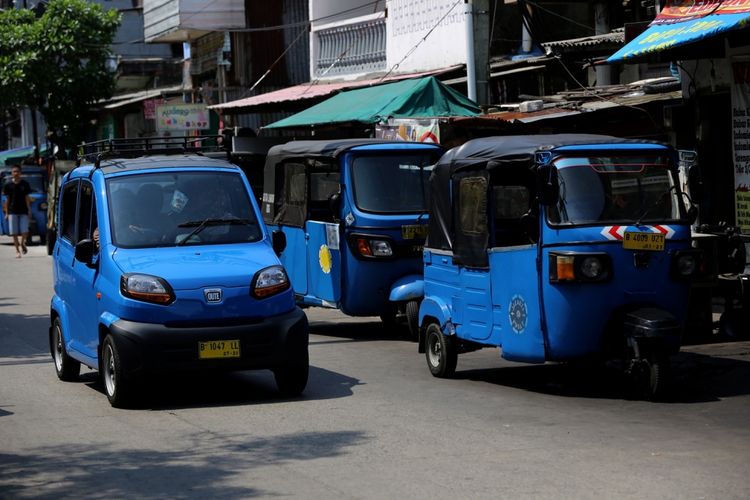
[171, 117]
[741, 139]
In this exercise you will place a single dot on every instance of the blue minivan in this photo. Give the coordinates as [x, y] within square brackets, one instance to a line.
[163, 263]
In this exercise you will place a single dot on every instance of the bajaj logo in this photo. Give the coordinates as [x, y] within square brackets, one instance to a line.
[213, 295]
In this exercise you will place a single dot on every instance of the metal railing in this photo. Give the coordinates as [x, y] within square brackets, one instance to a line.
[351, 48]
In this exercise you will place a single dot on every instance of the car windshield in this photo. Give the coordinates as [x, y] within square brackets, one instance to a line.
[392, 183]
[180, 208]
[623, 189]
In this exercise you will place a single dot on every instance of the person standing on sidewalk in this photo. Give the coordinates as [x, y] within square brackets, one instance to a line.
[17, 209]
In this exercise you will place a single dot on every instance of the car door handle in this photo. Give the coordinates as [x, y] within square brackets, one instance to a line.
[307, 236]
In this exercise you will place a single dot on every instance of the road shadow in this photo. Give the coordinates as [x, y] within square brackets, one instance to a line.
[217, 389]
[25, 336]
[209, 466]
[695, 378]
[358, 331]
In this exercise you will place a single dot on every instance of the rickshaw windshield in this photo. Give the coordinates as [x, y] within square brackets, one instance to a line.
[622, 189]
[392, 184]
[180, 208]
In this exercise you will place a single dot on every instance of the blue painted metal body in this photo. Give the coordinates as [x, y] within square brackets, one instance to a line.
[324, 269]
[87, 298]
[514, 305]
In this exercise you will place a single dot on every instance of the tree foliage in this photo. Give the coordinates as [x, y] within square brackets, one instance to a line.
[57, 62]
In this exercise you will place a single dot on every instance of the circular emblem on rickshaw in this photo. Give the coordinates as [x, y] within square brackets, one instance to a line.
[325, 259]
[518, 314]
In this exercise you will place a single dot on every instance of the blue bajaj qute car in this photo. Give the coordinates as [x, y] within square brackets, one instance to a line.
[558, 248]
[163, 264]
[354, 216]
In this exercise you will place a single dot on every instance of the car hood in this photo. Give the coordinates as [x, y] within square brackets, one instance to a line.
[188, 268]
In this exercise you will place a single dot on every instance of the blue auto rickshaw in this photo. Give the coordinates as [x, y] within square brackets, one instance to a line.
[354, 215]
[558, 248]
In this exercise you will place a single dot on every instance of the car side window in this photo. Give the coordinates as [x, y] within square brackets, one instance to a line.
[86, 212]
[68, 211]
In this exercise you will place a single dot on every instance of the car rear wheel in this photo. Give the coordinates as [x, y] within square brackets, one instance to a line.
[291, 378]
[67, 368]
[441, 352]
[118, 388]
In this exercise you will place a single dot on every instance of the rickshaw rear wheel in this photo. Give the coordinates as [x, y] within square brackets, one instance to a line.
[441, 352]
[412, 319]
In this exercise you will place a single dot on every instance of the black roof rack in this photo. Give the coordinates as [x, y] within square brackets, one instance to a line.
[132, 148]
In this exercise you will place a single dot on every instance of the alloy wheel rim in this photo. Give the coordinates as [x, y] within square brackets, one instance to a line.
[58, 349]
[434, 350]
[109, 371]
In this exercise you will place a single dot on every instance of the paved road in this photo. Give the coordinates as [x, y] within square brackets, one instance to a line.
[372, 424]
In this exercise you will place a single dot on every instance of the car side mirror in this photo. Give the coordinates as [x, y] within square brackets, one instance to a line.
[84, 251]
[547, 186]
[278, 241]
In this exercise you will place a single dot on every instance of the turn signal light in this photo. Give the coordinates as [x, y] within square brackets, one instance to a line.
[574, 266]
[370, 246]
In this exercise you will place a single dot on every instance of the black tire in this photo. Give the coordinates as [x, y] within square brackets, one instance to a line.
[412, 319]
[50, 241]
[650, 376]
[291, 378]
[388, 317]
[67, 368]
[118, 388]
[441, 352]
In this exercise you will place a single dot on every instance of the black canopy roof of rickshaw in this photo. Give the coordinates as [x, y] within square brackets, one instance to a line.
[311, 149]
[490, 153]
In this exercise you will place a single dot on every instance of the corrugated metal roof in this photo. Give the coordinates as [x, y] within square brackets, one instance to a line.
[313, 89]
[613, 39]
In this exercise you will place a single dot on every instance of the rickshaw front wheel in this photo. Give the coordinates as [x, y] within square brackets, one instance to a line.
[441, 352]
[649, 376]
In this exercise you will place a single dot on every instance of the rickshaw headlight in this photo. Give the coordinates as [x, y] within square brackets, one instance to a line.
[592, 267]
[381, 248]
[269, 281]
[687, 263]
[43, 205]
[572, 266]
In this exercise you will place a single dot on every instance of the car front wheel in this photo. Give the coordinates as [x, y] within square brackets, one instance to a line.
[291, 378]
[117, 387]
[66, 367]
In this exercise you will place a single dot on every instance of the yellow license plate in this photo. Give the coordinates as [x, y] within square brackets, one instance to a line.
[214, 349]
[633, 240]
[413, 231]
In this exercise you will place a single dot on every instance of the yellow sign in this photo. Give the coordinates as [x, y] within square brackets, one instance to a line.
[743, 210]
[325, 259]
[219, 349]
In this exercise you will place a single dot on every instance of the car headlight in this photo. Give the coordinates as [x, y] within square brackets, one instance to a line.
[146, 288]
[268, 282]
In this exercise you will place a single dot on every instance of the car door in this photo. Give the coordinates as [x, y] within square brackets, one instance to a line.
[64, 259]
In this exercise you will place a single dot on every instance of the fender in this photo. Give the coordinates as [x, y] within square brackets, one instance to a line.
[410, 287]
[58, 305]
[435, 307]
[107, 318]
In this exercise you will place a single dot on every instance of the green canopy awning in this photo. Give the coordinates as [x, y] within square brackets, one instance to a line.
[17, 155]
[416, 98]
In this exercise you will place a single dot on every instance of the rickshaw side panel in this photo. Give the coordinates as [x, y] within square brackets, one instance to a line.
[515, 297]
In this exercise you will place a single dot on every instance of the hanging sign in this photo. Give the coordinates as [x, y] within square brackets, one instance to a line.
[741, 139]
[182, 117]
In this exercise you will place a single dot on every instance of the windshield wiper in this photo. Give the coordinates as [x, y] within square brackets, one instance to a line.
[200, 225]
[654, 204]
